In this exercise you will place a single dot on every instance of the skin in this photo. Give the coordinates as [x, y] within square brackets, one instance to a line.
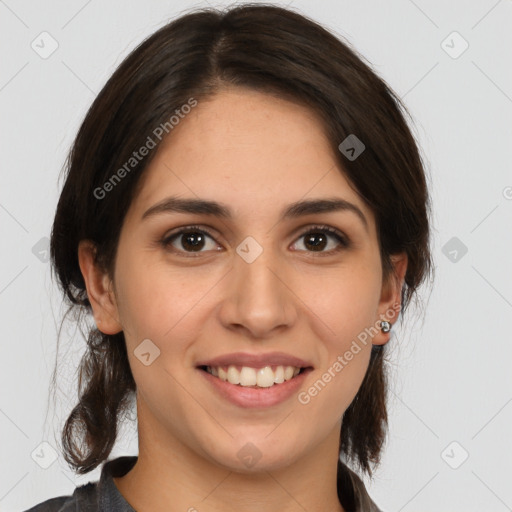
[256, 154]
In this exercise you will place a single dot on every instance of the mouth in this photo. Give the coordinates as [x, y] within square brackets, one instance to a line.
[251, 377]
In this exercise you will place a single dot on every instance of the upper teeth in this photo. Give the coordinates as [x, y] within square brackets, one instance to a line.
[247, 376]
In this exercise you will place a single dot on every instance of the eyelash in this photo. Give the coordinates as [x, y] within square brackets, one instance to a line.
[340, 237]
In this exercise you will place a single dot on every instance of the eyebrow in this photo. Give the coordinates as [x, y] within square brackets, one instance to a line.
[294, 210]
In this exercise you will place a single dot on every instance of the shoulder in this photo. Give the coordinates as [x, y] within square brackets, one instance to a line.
[84, 498]
[352, 491]
[51, 505]
[102, 495]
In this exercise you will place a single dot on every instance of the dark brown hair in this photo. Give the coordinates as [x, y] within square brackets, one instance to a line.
[265, 48]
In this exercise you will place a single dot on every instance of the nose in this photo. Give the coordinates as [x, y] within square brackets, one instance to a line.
[259, 301]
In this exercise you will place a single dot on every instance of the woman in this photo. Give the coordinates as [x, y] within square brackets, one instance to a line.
[245, 214]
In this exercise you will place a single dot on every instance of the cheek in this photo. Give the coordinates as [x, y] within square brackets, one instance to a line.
[345, 312]
[344, 302]
[344, 353]
[157, 300]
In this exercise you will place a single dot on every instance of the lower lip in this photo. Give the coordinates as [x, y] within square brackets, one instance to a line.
[256, 397]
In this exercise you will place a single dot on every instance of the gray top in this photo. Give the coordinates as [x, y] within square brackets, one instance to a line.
[104, 496]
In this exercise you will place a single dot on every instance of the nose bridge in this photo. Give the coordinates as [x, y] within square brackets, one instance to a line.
[257, 299]
[258, 278]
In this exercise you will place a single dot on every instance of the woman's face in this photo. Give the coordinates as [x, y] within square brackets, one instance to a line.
[250, 287]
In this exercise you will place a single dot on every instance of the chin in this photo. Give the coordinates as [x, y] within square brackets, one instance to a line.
[250, 455]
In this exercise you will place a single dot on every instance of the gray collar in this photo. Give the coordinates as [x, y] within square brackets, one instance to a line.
[350, 486]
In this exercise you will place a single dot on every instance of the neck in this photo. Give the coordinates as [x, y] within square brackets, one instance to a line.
[170, 476]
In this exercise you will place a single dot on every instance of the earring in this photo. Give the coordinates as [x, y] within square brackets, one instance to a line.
[385, 326]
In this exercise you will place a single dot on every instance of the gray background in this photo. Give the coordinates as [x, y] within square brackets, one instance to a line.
[451, 382]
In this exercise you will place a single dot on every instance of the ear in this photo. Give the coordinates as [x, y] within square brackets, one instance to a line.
[391, 296]
[99, 290]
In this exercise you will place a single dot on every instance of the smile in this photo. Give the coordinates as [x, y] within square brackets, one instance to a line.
[250, 387]
[247, 376]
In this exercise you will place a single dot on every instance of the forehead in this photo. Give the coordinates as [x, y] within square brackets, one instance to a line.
[251, 150]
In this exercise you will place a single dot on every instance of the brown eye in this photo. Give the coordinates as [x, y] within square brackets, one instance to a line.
[193, 241]
[190, 240]
[317, 239]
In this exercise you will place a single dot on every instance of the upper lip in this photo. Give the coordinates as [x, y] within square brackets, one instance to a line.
[256, 360]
